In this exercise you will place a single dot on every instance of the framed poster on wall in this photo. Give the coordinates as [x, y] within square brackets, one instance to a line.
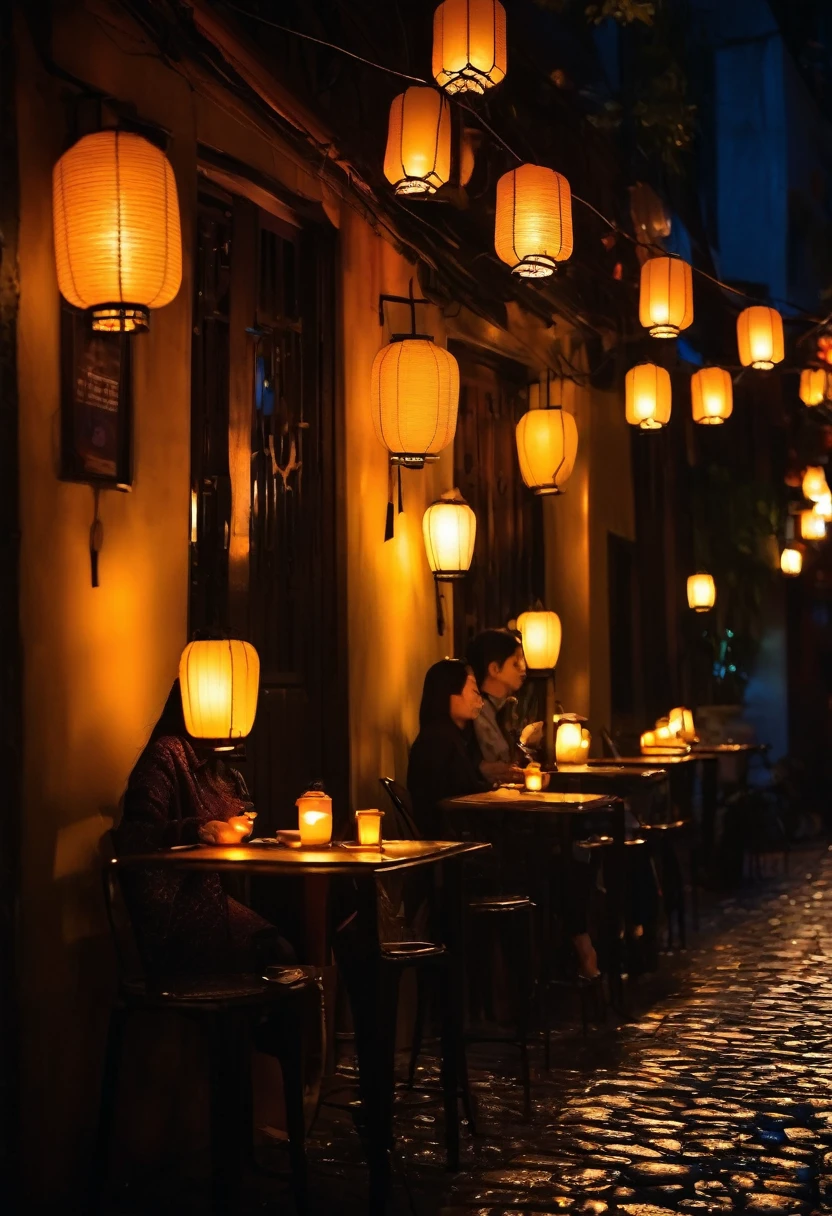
[96, 404]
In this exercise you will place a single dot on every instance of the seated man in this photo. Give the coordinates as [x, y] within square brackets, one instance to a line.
[496, 657]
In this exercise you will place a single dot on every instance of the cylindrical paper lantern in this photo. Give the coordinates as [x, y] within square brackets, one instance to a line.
[219, 681]
[823, 507]
[533, 226]
[647, 396]
[760, 337]
[547, 443]
[418, 156]
[541, 634]
[812, 525]
[115, 213]
[815, 385]
[666, 296]
[711, 395]
[791, 561]
[415, 397]
[701, 592]
[449, 528]
[469, 45]
[814, 482]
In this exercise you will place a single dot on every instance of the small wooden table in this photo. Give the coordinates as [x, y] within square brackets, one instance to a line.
[608, 777]
[375, 1065]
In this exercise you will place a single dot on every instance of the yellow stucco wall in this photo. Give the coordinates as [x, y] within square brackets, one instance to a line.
[391, 606]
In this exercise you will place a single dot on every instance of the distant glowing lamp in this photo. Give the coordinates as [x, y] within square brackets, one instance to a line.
[791, 561]
[815, 385]
[760, 337]
[666, 297]
[814, 483]
[541, 635]
[812, 525]
[701, 592]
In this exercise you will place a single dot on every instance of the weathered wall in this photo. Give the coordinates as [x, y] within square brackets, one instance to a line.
[98, 663]
[391, 606]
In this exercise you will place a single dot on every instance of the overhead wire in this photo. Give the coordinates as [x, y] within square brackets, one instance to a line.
[615, 227]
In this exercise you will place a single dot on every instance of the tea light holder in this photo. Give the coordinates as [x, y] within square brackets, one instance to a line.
[314, 819]
[368, 828]
[533, 778]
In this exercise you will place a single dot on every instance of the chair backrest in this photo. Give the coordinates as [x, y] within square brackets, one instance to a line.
[402, 823]
[609, 744]
[128, 956]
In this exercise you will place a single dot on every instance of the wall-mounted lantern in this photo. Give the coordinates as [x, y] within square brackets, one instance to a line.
[118, 245]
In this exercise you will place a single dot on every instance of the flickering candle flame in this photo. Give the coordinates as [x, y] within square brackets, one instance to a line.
[533, 778]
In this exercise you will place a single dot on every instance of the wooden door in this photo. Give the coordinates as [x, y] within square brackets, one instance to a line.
[265, 393]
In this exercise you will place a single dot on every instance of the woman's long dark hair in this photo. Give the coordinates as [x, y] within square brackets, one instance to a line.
[172, 718]
[444, 680]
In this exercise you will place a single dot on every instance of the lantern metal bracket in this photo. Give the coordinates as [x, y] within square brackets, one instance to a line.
[411, 301]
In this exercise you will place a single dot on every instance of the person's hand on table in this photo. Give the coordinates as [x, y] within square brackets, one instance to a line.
[227, 831]
[498, 770]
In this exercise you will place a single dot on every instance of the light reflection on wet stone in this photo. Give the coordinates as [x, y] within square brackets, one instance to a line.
[718, 1098]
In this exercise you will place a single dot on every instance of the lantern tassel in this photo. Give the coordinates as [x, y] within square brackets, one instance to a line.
[389, 526]
[401, 507]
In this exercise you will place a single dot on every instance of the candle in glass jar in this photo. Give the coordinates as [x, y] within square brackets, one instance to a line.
[314, 819]
[368, 827]
[533, 778]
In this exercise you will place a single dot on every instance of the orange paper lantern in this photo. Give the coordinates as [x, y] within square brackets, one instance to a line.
[533, 226]
[115, 213]
[791, 561]
[449, 529]
[469, 45]
[701, 592]
[647, 396]
[711, 395]
[666, 297]
[760, 337]
[415, 398]
[815, 385]
[418, 156]
[219, 681]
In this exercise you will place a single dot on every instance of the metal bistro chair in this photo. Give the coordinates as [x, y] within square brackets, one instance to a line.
[508, 917]
[230, 1008]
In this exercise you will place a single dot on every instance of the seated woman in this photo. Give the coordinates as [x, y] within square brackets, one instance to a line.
[445, 757]
[499, 665]
[185, 923]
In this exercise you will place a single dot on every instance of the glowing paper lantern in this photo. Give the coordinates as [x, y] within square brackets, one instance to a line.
[418, 156]
[791, 561]
[533, 226]
[760, 337]
[469, 45]
[701, 592]
[541, 634]
[823, 508]
[666, 297]
[314, 819]
[812, 525]
[115, 214]
[449, 528]
[680, 724]
[651, 219]
[661, 741]
[571, 743]
[712, 395]
[415, 397]
[647, 396]
[547, 442]
[815, 386]
[814, 483]
[219, 681]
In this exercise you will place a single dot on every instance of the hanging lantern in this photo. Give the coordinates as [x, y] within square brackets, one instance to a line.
[219, 681]
[823, 507]
[666, 297]
[815, 385]
[541, 634]
[651, 220]
[701, 592]
[415, 396]
[647, 396]
[115, 214]
[812, 525]
[533, 225]
[418, 156]
[791, 561]
[469, 45]
[760, 337]
[814, 483]
[547, 441]
[449, 528]
[712, 395]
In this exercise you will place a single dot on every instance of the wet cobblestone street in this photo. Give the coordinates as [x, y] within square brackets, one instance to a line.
[716, 1097]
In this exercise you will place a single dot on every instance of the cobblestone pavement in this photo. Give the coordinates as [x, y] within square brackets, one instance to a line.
[717, 1099]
